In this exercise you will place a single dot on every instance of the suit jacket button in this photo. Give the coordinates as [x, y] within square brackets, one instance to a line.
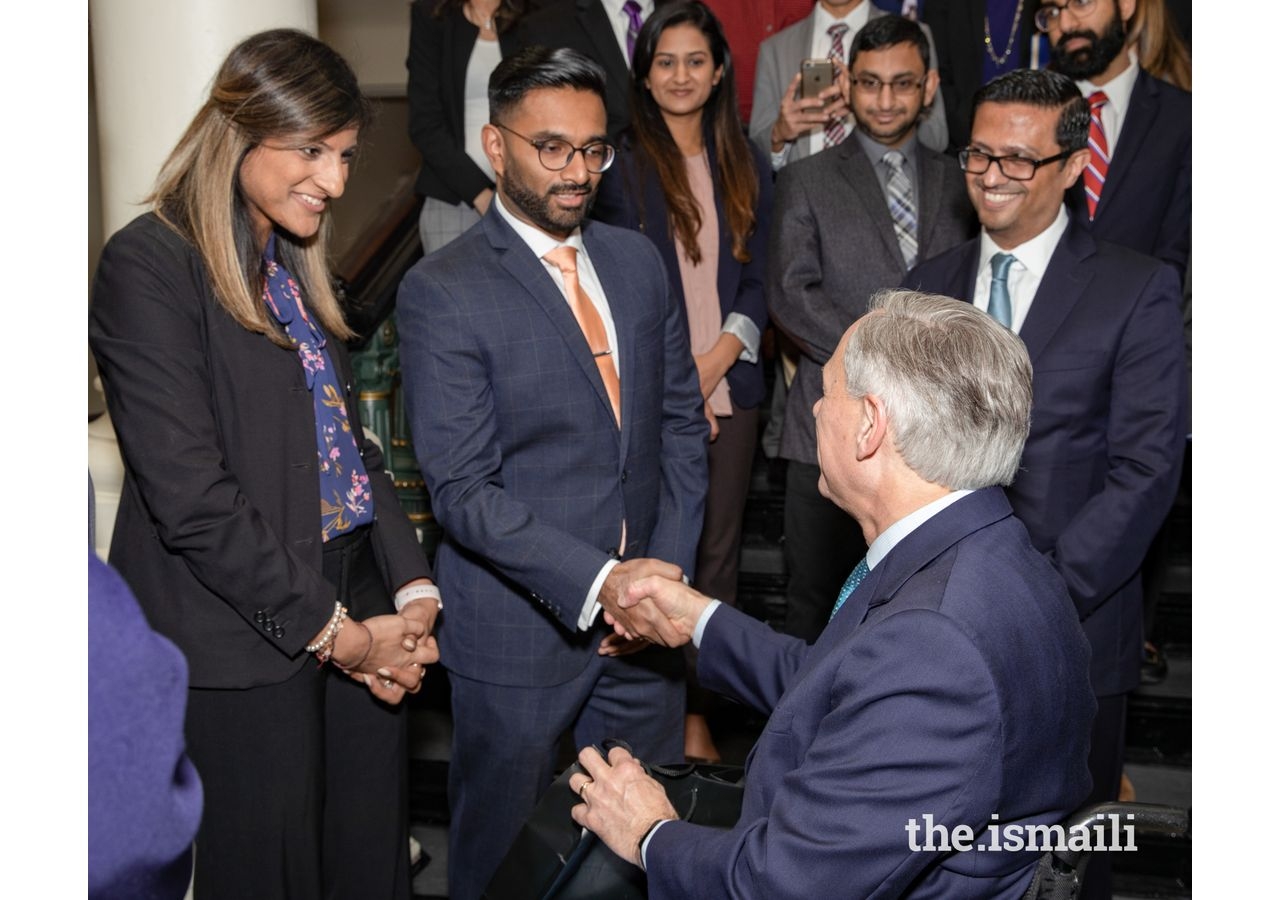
[279, 632]
[259, 616]
[624, 476]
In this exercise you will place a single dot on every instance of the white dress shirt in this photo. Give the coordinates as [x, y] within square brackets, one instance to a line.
[1030, 261]
[1118, 90]
[820, 48]
[620, 21]
[541, 244]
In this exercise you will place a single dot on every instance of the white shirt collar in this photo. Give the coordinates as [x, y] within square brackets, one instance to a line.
[1033, 254]
[893, 535]
[822, 20]
[538, 240]
[1118, 91]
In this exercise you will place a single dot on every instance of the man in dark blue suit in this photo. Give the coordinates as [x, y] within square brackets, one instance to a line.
[1141, 143]
[1104, 331]
[950, 687]
[556, 413]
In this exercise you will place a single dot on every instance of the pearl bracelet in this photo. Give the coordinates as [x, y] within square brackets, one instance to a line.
[323, 648]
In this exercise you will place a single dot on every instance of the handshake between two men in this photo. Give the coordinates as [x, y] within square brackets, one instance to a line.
[647, 601]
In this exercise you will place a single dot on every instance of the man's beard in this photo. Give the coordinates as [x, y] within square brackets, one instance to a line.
[538, 206]
[1091, 60]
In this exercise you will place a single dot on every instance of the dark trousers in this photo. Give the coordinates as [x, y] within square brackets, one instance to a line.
[1106, 765]
[505, 742]
[729, 459]
[821, 544]
[306, 781]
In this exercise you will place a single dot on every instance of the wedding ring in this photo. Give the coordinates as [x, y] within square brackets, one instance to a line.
[387, 682]
[582, 791]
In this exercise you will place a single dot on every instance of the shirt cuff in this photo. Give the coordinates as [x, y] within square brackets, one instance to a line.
[644, 845]
[746, 331]
[702, 622]
[779, 159]
[591, 608]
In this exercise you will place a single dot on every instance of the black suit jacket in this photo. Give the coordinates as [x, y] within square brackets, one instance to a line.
[439, 50]
[582, 25]
[1108, 426]
[1146, 201]
[220, 513]
[631, 196]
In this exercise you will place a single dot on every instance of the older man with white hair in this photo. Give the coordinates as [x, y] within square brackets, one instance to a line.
[946, 704]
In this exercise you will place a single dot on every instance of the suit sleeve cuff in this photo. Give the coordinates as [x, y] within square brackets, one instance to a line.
[644, 845]
[591, 608]
[746, 331]
[702, 622]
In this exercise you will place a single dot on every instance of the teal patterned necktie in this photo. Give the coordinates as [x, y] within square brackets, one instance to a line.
[851, 584]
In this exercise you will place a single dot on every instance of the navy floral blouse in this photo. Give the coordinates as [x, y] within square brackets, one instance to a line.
[346, 501]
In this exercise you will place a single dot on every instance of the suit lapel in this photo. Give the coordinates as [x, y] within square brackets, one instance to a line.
[527, 270]
[595, 23]
[1144, 108]
[609, 270]
[856, 169]
[928, 198]
[909, 556]
[1060, 290]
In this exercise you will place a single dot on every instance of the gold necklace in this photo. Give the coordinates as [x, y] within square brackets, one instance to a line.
[1013, 36]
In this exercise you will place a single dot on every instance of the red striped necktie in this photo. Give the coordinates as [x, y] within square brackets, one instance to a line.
[1099, 154]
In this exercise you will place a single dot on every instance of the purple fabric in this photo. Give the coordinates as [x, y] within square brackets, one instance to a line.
[635, 20]
[145, 797]
[1000, 15]
[346, 499]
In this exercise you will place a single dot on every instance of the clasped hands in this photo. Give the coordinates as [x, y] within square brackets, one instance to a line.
[399, 648]
[646, 601]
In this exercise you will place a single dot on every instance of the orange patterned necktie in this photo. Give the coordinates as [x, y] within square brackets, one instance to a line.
[566, 260]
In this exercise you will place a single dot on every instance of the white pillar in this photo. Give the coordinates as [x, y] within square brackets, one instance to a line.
[153, 62]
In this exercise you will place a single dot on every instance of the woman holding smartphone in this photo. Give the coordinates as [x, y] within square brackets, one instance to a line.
[688, 177]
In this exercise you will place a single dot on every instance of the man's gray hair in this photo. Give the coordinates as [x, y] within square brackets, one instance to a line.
[956, 384]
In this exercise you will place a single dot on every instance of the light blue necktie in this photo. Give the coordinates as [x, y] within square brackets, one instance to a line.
[851, 584]
[998, 304]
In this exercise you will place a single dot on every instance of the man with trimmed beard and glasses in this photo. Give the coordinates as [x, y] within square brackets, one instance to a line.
[556, 412]
[1136, 189]
[847, 222]
[1103, 328]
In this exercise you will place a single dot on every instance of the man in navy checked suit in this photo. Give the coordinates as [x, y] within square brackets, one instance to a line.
[551, 503]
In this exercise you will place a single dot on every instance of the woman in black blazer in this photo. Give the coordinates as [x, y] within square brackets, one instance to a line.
[454, 45]
[257, 526]
[688, 178]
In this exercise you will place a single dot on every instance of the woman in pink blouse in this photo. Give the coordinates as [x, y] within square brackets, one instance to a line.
[688, 178]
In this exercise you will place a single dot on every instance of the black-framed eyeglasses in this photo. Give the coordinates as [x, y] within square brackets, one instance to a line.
[901, 87]
[1048, 13]
[1017, 168]
[555, 154]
